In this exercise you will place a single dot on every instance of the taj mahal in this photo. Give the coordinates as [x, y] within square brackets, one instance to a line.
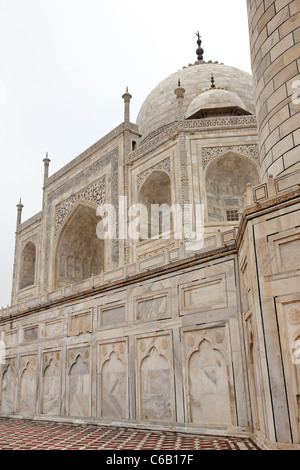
[163, 332]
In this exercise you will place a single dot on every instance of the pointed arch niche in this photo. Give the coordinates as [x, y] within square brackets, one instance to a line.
[79, 252]
[155, 378]
[79, 383]
[28, 261]
[156, 190]
[209, 383]
[8, 388]
[113, 382]
[226, 179]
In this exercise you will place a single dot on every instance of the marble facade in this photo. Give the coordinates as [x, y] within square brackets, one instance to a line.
[165, 333]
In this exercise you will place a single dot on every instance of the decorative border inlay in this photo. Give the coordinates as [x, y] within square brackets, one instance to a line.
[93, 193]
[164, 165]
[156, 252]
[209, 153]
[219, 122]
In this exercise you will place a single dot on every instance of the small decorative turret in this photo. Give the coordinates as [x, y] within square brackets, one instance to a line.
[46, 167]
[19, 215]
[127, 97]
[179, 92]
[199, 51]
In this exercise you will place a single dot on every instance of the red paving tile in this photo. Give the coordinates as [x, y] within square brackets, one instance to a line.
[42, 435]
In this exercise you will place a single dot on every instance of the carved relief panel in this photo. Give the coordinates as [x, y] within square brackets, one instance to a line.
[27, 385]
[288, 311]
[8, 386]
[113, 380]
[284, 250]
[51, 383]
[79, 382]
[209, 386]
[155, 378]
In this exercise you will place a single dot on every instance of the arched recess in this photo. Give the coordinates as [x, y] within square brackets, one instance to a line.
[156, 190]
[51, 390]
[27, 390]
[79, 252]
[155, 387]
[226, 180]
[8, 391]
[28, 261]
[79, 388]
[114, 388]
[209, 387]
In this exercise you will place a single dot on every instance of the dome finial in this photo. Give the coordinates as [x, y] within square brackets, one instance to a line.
[212, 81]
[199, 51]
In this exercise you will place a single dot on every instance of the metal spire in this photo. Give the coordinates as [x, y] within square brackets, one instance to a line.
[199, 51]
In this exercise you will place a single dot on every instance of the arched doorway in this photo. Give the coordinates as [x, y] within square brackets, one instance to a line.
[226, 178]
[156, 192]
[79, 252]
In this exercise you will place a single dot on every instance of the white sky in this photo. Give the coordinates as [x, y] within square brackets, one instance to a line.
[64, 65]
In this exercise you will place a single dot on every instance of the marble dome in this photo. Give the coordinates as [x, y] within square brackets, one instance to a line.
[160, 107]
[215, 99]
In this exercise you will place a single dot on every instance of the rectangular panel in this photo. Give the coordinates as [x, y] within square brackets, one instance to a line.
[112, 316]
[11, 339]
[289, 251]
[30, 334]
[207, 294]
[285, 251]
[54, 328]
[80, 323]
[152, 307]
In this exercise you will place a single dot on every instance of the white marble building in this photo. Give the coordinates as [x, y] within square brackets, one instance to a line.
[164, 332]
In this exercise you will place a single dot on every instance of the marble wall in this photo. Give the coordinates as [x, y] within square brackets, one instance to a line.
[206, 343]
[159, 351]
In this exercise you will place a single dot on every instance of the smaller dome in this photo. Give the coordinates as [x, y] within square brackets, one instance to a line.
[215, 102]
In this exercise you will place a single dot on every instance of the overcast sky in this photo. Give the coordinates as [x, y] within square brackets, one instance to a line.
[64, 65]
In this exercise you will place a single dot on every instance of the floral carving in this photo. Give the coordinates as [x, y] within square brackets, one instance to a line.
[164, 165]
[208, 153]
[94, 193]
